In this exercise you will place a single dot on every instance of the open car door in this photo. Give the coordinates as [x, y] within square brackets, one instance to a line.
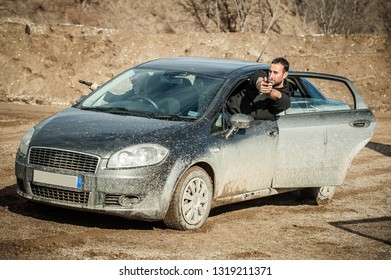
[327, 124]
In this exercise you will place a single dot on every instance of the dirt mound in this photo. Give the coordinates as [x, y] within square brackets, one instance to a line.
[42, 65]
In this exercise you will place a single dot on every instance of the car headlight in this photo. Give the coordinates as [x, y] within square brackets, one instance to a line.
[138, 155]
[24, 143]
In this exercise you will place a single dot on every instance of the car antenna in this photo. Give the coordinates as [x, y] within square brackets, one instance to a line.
[267, 43]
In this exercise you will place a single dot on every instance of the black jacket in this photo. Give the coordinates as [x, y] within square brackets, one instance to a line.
[249, 101]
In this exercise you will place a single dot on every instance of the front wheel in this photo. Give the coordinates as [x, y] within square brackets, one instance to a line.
[191, 201]
[321, 195]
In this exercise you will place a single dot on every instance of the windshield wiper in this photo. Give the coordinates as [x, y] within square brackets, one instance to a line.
[99, 109]
[175, 117]
[123, 110]
[120, 110]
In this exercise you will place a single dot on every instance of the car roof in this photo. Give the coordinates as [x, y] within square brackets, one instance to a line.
[208, 66]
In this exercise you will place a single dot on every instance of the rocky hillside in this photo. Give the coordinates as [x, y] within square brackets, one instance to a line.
[47, 46]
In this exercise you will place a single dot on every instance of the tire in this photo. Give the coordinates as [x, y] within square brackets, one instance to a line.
[320, 195]
[191, 202]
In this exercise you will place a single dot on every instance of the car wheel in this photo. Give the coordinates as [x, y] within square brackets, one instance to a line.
[191, 201]
[321, 195]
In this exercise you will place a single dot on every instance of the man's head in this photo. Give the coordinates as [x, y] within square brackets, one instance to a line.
[138, 81]
[278, 71]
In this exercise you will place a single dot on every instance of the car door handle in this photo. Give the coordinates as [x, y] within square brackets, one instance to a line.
[360, 123]
[272, 133]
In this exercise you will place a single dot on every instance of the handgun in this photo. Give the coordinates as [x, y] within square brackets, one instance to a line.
[85, 83]
[269, 79]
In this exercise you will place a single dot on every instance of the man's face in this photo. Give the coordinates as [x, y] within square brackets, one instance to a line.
[277, 74]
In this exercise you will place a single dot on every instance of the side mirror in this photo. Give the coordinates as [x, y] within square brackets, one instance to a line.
[239, 121]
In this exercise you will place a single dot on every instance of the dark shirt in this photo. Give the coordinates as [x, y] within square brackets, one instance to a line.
[250, 102]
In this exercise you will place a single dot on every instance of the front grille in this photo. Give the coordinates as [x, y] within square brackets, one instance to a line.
[63, 159]
[111, 199]
[60, 195]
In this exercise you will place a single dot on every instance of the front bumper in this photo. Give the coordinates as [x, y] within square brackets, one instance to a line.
[139, 193]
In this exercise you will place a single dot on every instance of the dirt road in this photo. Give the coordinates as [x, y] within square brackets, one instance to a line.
[356, 225]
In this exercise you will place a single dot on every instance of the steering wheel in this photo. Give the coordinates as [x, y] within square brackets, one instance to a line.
[145, 99]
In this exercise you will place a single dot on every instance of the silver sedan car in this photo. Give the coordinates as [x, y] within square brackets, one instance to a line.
[156, 143]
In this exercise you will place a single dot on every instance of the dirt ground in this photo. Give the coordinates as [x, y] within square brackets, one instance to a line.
[355, 225]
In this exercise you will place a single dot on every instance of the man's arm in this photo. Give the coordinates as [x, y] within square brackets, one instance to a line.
[259, 81]
[280, 100]
[256, 77]
[281, 104]
[94, 86]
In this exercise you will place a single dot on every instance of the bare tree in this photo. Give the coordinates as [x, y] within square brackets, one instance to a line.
[226, 15]
[330, 16]
[343, 16]
[211, 11]
[274, 12]
[244, 9]
[85, 3]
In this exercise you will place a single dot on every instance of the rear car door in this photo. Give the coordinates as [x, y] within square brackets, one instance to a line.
[327, 125]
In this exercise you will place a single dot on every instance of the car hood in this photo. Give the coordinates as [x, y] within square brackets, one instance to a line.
[102, 133]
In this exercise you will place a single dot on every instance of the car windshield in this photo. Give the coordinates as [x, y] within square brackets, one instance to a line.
[155, 93]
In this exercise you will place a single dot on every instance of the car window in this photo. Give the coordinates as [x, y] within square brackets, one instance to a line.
[156, 91]
[319, 95]
[222, 119]
[296, 87]
[220, 123]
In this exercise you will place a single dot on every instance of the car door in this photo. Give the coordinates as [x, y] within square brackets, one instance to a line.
[327, 125]
[301, 151]
[245, 162]
[348, 131]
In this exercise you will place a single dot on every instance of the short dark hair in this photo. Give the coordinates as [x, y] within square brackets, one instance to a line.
[283, 61]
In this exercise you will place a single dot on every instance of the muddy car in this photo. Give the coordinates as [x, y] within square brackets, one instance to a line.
[156, 143]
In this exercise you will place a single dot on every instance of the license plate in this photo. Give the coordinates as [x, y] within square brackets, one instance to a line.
[58, 179]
